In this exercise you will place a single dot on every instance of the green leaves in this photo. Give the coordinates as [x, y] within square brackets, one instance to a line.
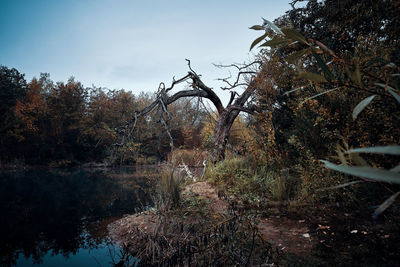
[272, 26]
[297, 55]
[395, 169]
[391, 90]
[288, 34]
[388, 176]
[317, 95]
[394, 94]
[340, 186]
[385, 205]
[259, 39]
[361, 106]
[365, 172]
[257, 27]
[328, 74]
[294, 35]
[275, 42]
[390, 150]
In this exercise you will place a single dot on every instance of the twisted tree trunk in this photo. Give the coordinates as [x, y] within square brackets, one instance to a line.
[226, 115]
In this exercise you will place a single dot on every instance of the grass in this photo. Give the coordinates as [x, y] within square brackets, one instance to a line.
[169, 190]
[300, 193]
[193, 234]
[187, 232]
[253, 186]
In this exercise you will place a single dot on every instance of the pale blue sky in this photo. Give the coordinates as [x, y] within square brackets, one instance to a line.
[129, 44]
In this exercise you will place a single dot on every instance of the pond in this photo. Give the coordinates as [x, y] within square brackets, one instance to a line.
[60, 217]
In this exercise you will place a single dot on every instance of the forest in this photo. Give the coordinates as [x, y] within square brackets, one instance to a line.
[63, 124]
[317, 138]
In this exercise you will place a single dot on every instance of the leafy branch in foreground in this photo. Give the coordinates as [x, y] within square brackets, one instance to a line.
[307, 52]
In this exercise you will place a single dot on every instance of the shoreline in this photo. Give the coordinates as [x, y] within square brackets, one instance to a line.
[135, 231]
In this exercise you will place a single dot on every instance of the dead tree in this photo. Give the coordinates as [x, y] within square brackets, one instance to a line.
[225, 115]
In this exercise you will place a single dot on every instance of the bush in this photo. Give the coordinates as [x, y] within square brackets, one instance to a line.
[324, 94]
[253, 185]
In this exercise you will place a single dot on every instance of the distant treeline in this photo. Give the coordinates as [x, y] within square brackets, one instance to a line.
[62, 124]
[43, 122]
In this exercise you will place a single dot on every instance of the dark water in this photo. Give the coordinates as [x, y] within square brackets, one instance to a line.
[59, 217]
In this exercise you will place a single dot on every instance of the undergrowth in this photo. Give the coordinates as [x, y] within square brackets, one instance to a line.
[308, 183]
[187, 232]
[252, 185]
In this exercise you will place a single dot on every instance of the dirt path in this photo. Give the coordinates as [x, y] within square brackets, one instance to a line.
[207, 192]
[287, 235]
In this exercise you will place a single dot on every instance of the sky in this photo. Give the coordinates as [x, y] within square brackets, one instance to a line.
[130, 44]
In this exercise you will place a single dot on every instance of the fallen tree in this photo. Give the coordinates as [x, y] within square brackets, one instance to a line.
[196, 88]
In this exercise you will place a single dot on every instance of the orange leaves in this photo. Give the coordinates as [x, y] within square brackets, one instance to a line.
[31, 108]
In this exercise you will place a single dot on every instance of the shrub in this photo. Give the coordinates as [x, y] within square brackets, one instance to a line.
[253, 185]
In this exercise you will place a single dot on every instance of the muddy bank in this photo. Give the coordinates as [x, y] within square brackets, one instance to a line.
[126, 230]
[294, 235]
[140, 233]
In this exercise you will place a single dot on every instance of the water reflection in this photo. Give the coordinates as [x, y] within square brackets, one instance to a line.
[46, 213]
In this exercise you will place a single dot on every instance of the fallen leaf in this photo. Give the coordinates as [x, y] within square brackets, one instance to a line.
[321, 227]
[306, 235]
[354, 231]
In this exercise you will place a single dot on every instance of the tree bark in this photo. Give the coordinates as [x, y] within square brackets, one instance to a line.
[225, 120]
[221, 136]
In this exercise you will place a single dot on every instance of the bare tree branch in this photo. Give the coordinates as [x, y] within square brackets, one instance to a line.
[175, 82]
[244, 70]
[237, 82]
[238, 66]
[186, 93]
[225, 116]
[211, 95]
[240, 101]
[249, 110]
